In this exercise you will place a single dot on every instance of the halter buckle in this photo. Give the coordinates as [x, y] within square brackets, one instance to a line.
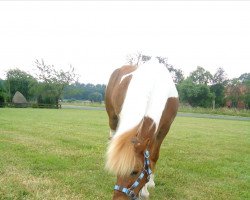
[146, 154]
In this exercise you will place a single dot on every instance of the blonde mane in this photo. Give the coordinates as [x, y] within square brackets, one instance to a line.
[121, 155]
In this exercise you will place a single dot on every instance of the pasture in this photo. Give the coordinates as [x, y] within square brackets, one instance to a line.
[59, 154]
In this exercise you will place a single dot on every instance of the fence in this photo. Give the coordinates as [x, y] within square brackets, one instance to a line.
[30, 105]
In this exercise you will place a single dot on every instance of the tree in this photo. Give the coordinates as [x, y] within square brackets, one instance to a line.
[139, 58]
[220, 76]
[244, 77]
[21, 81]
[219, 94]
[246, 96]
[195, 94]
[233, 91]
[238, 91]
[95, 97]
[176, 74]
[80, 91]
[218, 87]
[245, 80]
[73, 91]
[2, 93]
[52, 81]
[201, 76]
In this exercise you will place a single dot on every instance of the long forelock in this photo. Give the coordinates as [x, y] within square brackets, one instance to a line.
[121, 155]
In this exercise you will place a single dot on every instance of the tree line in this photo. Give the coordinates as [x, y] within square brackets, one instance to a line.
[46, 88]
[203, 89]
[199, 89]
[86, 92]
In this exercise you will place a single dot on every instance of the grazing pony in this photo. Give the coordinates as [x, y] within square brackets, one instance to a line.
[141, 102]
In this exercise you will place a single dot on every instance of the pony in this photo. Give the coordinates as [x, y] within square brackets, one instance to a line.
[141, 103]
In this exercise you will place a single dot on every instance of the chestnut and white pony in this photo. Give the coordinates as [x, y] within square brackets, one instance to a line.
[141, 102]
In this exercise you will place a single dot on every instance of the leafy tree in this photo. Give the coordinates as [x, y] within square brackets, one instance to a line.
[220, 76]
[74, 91]
[52, 81]
[80, 91]
[139, 58]
[218, 88]
[2, 86]
[201, 76]
[238, 89]
[95, 97]
[100, 88]
[245, 80]
[246, 96]
[195, 94]
[233, 91]
[177, 74]
[219, 94]
[2, 93]
[46, 94]
[21, 81]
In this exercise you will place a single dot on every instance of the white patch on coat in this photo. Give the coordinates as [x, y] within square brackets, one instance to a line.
[151, 183]
[144, 193]
[126, 75]
[111, 133]
[150, 87]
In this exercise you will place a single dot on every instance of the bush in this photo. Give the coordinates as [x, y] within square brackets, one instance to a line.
[197, 95]
[2, 100]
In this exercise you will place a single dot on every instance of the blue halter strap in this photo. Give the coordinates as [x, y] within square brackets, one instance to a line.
[146, 170]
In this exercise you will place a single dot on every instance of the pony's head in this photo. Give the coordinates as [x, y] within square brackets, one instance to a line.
[128, 159]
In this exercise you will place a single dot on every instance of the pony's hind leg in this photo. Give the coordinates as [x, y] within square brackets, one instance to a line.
[113, 121]
[111, 133]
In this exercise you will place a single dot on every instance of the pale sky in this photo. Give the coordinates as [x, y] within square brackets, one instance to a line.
[96, 36]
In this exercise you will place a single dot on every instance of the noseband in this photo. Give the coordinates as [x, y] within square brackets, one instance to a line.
[146, 170]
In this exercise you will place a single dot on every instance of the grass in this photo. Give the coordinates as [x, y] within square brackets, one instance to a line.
[216, 111]
[182, 108]
[83, 103]
[59, 154]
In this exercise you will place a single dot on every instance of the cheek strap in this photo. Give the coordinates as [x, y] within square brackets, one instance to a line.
[146, 170]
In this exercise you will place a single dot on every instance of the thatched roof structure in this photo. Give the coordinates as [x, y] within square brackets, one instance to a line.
[18, 98]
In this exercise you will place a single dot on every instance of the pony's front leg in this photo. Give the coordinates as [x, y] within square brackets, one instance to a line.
[144, 193]
[151, 183]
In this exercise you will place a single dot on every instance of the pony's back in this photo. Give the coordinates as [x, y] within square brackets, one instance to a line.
[150, 87]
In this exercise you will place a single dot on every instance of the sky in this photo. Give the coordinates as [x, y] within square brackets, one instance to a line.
[95, 37]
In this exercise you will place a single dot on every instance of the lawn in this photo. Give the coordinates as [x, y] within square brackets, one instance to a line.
[59, 154]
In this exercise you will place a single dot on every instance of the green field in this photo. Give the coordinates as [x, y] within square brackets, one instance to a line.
[59, 154]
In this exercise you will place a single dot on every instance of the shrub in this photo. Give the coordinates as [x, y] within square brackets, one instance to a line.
[2, 99]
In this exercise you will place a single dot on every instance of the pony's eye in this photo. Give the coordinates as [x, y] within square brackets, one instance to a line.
[134, 173]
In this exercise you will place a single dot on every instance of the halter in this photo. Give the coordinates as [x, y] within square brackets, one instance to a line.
[146, 170]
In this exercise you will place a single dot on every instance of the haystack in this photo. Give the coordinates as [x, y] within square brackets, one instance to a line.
[18, 98]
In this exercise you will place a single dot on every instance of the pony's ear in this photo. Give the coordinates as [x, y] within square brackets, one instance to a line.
[140, 145]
